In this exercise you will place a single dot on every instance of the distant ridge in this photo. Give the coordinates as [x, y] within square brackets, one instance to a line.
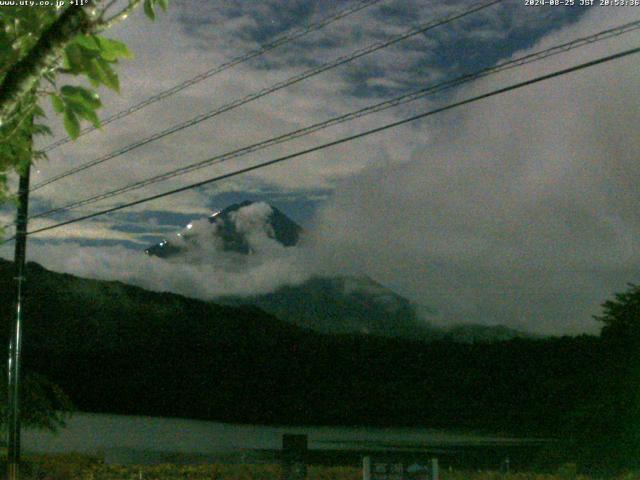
[116, 348]
[335, 305]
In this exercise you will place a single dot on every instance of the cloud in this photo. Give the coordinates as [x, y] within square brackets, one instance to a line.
[194, 37]
[203, 270]
[520, 211]
[517, 210]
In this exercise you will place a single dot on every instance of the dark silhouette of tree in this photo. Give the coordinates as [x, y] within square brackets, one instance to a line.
[606, 423]
[621, 316]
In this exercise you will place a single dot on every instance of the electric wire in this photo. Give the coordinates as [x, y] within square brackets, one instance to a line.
[266, 91]
[402, 99]
[346, 139]
[279, 41]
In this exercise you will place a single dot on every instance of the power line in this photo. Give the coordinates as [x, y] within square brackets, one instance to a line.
[278, 86]
[477, 98]
[406, 98]
[279, 41]
[266, 91]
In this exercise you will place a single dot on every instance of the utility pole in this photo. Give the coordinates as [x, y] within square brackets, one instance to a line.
[15, 340]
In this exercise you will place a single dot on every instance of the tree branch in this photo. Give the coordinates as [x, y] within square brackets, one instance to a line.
[9, 136]
[106, 8]
[121, 15]
[25, 74]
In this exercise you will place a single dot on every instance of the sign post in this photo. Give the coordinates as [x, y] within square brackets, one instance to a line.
[373, 469]
[366, 468]
[434, 469]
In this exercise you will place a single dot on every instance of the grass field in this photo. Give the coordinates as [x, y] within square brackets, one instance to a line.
[82, 467]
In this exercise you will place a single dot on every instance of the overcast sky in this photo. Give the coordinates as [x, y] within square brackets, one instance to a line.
[520, 209]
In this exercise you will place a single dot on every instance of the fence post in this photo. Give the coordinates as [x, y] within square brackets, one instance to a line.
[294, 457]
[366, 468]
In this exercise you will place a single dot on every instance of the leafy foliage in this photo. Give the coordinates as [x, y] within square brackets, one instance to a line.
[37, 45]
[94, 56]
[150, 7]
[87, 55]
[43, 403]
[607, 421]
[19, 32]
[621, 316]
[19, 28]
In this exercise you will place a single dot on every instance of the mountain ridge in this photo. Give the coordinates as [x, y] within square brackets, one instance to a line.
[340, 304]
[116, 348]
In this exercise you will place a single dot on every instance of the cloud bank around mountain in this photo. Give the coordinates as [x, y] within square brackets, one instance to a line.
[205, 270]
[521, 209]
[521, 214]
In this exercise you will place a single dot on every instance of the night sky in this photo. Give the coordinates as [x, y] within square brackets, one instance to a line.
[520, 210]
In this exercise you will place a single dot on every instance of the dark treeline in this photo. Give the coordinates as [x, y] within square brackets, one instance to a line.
[115, 348]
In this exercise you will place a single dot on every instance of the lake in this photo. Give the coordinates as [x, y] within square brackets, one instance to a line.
[144, 440]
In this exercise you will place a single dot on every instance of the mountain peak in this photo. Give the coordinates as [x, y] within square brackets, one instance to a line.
[232, 228]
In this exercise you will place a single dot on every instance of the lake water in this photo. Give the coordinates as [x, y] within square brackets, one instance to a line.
[134, 439]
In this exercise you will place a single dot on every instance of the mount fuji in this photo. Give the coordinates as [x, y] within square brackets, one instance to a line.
[340, 304]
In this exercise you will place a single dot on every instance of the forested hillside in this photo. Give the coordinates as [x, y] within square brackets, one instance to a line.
[120, 349]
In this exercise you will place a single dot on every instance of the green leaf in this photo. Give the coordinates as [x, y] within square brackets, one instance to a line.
[87, 41]
[57, 103]
[92, 73]
[83, 111]
[40, 155]
[71, 124]
[148, 9]
[106, 74]
[50, 76]
[38, 112]
[74, 58]
[83, 95]
[111, 50]
[39, 129]
[164, 4]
